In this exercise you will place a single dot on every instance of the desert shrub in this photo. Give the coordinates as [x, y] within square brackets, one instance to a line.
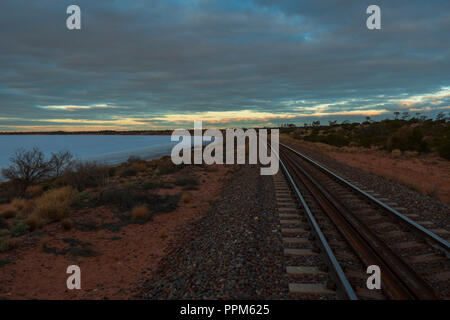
[187, 181]
[128, 172]
[124, 198]
[19, 204]
[27, 167]
[82, 196]
[335, 140]
[407, 138]
[127, 198]
[150, 184]
[19, 228]
[7, 244]
[4, 233]
[396, 153]
[34, 191]
[186, 198]
[87, 174]
[166, 203]
[34, 221]
[444, 148]
[166, 166]
[43, 243]
[22, 206]
[139, 166]
[8, 214]
[67, 224]
[140, 212]
[132, 159]
[60, 162]
[54, 205]
[112, 171]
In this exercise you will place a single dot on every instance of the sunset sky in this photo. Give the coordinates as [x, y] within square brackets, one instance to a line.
[234, 63]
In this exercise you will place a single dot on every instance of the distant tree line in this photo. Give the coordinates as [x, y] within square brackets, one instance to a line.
[404, 132]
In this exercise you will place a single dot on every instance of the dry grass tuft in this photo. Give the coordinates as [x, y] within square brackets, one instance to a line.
[410, 154]
[54, 205]
[34, 191]
[214, 200]
[396, 153]
[34, 221]
[140, 212]
[43, 243]
[186, 198]
[9, 244]
[19, 204]
[139, 166]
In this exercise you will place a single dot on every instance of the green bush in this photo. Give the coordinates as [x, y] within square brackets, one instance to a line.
[19, 229]
[84, 196]
[87, 174]
[407, 138]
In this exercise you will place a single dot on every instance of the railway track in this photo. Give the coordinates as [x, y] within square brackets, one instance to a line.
[333, 230]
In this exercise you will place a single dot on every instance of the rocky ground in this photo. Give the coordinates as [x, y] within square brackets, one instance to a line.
[234, 252]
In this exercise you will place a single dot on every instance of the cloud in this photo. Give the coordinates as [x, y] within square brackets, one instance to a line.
[267, 60]
[75, 108]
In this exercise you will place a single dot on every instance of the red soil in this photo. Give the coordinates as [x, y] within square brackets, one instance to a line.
[122, 264]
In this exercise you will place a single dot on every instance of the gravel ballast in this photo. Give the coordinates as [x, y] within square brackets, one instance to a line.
[234, 252]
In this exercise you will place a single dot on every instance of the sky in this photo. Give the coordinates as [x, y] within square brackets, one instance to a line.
[148, 65]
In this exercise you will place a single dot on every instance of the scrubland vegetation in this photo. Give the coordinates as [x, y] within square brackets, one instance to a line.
[413, 135]
[42, 191]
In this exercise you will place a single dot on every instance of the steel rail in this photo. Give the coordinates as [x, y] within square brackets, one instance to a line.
[441, 243]
[338, 274]
[401, 282]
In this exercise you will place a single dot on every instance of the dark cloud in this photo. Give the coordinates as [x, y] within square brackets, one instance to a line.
[150, 59]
